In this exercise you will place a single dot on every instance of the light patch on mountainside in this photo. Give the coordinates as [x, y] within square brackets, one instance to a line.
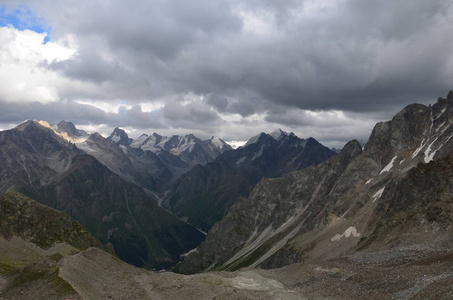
[250, 280]
[423, 144]
[378, 194]
[64, 135]
[351, 231]
[389, 166]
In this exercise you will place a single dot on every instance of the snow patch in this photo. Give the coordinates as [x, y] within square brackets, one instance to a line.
[351, 231]
[86, 148]
[191, 251]
[441, 113]
[449, 137]
[278, 134]
[116, 138]
[217, 143]
[257, 155]
[369, 180]
[378, 194]
[439, 127]
[389, 166]
[138, 142]
[240, 161]
[253, 140]
[124, 148]
[419, 149]
[429, 156]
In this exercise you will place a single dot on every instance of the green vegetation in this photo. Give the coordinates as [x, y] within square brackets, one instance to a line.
[42, 275]
[40, 224]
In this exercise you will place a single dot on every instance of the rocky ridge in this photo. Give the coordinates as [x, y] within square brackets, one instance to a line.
[355, 199]
[206, 193]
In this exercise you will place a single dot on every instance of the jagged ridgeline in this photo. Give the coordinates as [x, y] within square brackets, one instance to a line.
[205, 194]
[41, 164]
[396, 192]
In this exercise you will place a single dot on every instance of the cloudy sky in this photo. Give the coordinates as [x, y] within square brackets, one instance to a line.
[329, 69]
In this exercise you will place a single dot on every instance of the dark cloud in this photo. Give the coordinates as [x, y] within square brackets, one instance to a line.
[342, 56]
[218, 102]
[267, 58]
[81, 114]
[88, 66]
[52, 112]
[191, 115]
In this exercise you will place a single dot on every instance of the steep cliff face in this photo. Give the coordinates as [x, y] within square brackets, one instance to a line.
[323, 211]
[40, 164]
[206, 193]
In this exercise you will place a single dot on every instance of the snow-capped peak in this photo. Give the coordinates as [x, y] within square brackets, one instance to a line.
[254, 139]
[217, 143]
[120, 136]
[278, 134]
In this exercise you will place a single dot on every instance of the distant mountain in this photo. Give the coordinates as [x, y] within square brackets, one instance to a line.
[189, 148]
[143, 168]
[206, 193]
[394, 195]
[177, 153]
[41, 164]
[70, 129]
[120, 136]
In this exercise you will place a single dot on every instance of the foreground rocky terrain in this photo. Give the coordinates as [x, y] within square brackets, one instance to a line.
[64, 272]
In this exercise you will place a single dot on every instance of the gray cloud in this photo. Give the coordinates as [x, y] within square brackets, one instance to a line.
[271, 58]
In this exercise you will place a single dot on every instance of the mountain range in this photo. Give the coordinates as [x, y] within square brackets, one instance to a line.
[393, 193]
[42, 165]
[369, 222]
[206, 193]
[115, 186]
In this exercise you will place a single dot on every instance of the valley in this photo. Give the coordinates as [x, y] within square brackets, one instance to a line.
[285, 217]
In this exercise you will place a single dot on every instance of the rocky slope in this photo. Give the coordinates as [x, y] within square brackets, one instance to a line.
[67, 273]
[206, 193]
[25, 218]
[394, 193]
[32, 238]
[44, 166]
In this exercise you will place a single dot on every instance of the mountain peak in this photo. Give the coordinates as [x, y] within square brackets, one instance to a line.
[218, 143]
[22, 126]
[120, 136]
[70, 129]
[255, 139]
[277, 134]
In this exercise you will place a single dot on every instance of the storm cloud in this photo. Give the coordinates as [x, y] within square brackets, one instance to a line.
[229, 68]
